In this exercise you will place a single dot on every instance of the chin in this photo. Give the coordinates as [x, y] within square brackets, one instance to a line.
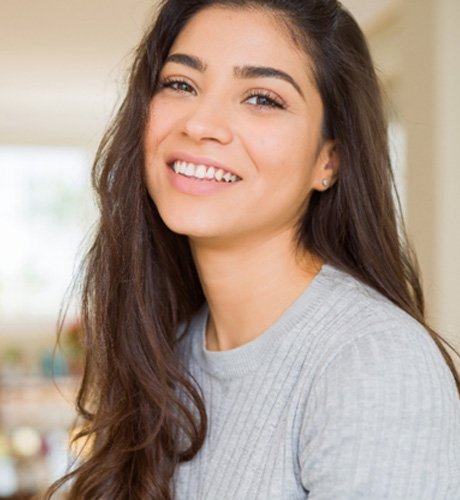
[193, 227]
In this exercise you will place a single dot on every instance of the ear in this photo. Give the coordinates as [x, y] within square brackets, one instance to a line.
[327, 166]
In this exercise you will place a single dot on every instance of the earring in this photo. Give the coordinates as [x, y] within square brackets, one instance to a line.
[326, 183]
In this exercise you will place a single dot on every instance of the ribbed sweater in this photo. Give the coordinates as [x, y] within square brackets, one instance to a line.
[343, 397]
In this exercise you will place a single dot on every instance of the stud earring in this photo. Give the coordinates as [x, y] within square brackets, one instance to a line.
[326, 183]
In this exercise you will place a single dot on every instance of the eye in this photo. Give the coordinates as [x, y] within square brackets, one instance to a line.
[177, 85]
[265, 99]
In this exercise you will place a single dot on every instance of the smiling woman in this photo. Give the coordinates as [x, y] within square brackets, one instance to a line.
[254, 321]
[264, 139]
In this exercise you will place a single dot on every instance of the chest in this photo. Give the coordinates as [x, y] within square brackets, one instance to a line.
[250, 450]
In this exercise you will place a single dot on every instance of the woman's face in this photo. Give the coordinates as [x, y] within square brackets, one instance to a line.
[233, 142]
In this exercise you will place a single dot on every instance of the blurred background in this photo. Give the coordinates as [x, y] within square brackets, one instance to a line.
[63, 68]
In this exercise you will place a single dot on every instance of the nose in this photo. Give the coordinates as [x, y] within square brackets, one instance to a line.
[208, 121]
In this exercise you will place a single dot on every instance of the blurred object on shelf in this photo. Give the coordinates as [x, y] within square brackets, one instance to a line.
[53, 364]
[36, 415]
[8, 476]
[26, 442]
[12, 362]
[57, 454]
[72, 346]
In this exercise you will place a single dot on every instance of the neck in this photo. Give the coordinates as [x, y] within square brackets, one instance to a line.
[248, 287]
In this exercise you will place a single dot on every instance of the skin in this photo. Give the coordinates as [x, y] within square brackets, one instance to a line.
[264, 129]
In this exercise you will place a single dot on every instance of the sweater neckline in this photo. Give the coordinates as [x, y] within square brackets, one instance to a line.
[247, 357]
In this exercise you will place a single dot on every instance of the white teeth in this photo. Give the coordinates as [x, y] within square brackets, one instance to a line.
[203, 172]
[200, 172]
[210, 173]
[190, 170]
[182, 167]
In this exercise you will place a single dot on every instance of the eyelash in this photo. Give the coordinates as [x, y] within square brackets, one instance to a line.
[271, 101]
[173, 83]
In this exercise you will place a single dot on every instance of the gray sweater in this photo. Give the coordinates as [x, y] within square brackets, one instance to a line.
[344, 397]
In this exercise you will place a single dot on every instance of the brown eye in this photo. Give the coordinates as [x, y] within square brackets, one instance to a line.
[264, 100]
[177, 85]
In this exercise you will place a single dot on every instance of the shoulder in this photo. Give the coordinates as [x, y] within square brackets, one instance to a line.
[383, 414]
[355, 319]
[367, 352]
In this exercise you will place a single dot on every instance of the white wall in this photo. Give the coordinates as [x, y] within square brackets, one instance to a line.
[416, 47]
[431, 107]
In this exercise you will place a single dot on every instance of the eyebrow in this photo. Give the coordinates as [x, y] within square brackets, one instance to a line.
[266, 72]
[239, 71]
[190, 61]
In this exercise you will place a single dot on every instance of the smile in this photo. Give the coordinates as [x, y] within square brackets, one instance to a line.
[203, 172]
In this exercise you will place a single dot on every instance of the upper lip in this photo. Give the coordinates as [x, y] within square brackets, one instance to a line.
[198, 160]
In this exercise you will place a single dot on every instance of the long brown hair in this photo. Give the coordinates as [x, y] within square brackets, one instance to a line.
[141, 410]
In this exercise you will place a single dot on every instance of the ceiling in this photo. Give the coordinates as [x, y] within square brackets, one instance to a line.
[63, 64]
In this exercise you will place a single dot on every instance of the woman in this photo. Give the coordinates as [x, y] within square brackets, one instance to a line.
[254, 322]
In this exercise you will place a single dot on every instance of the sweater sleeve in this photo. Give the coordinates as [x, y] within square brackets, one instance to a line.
[383, 422]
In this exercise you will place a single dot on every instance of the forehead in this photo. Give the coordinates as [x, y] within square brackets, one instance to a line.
[242, 35]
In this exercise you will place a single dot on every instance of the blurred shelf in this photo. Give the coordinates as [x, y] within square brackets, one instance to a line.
[42, 403]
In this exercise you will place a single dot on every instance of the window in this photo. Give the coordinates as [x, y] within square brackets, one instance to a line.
[45, 212]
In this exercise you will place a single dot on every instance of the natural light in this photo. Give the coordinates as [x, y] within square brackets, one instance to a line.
[45, 212]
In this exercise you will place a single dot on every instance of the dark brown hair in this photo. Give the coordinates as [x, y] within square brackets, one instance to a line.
[142, 412]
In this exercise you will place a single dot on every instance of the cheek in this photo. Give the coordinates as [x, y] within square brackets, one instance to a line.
[155, 132]
[283, 151]
[159, 123]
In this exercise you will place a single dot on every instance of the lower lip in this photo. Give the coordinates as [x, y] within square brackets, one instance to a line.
[200, 187]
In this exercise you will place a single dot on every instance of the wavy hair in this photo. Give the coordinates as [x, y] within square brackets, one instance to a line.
[141, 410]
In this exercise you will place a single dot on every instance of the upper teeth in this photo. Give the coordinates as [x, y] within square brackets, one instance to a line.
[203, 172]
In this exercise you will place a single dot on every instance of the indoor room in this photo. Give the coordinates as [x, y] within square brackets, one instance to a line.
[64, 70]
